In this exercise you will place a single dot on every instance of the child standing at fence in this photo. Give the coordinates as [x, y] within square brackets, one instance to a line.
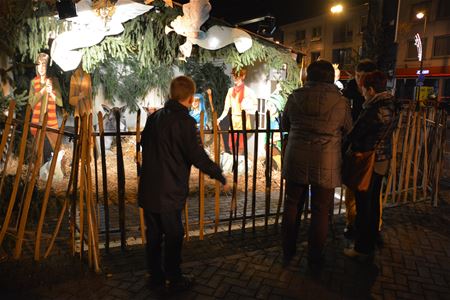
[170, 146]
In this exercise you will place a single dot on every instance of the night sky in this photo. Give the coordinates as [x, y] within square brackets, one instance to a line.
[285, 11]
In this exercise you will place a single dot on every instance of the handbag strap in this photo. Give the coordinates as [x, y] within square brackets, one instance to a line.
[385, 133]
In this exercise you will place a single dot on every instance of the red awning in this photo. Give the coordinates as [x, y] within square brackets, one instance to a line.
[442, 71]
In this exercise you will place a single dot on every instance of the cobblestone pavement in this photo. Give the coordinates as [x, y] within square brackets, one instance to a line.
[414, 264]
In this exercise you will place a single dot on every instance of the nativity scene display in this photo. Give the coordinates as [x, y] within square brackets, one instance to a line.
[86, 85]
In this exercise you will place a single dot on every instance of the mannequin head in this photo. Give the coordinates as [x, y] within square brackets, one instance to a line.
[196, 103]
[41, 64]
[238, 76]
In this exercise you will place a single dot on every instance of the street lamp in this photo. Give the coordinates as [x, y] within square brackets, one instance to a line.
[418, 42]
[421, 15]
[337, 9]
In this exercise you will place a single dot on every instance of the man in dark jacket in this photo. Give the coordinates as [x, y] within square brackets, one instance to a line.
[317, 118]
[170, 146]
[353, 93]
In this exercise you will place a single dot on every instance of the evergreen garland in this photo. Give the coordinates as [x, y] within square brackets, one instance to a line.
[142, 58]
[209, 76]
[273, 57]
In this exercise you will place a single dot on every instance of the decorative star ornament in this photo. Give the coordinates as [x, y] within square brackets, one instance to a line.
[195, 14]
[90, 27]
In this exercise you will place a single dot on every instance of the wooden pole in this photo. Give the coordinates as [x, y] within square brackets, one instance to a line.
[280, 198]
[12, 199]
[244, 133]
[70, 186]
[405, 153]
[202, 182]
[8, 156]
[48, 185]
[87, 172]
[410, 156]
[138, 169]
[95, 205]
[340, 199]
[12, 105]
[209, 92]
[120, 182]
[417, 145]
[104, 179]
[29, 193]
[186, 220]
[234, 137]
[267, 172]
[255, 168]
[394, 159]
[425, 158]
[83, 134]
[77, 142]
[91, 211]
[95, 152]
[442, 141]
[216, 183]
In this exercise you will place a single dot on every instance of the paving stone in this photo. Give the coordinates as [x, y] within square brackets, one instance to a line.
[222, 290]
[414, 264]
[264, 292]
[204, 290]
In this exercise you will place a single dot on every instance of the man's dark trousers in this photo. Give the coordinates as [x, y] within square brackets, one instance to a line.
[167, 227]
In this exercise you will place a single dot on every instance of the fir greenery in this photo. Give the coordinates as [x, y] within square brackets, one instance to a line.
[209, 76]
[142, 58]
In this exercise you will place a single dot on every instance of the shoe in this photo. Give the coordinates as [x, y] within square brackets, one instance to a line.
[349, 232]
[379, 240]
[156, 282]
[352, 253]
[286, 260]
[183, 283]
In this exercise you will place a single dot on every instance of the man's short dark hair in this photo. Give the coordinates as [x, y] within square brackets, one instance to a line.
[366, 65]
[376, 80]
[320, 71]
[181, 88]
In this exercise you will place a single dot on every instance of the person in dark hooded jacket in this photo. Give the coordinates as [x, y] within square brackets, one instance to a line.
[317, 117]
[372, 131]
[170, 146]
[353, 93]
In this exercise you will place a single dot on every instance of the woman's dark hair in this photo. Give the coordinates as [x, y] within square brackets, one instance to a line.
[376, 80]
[321, 71]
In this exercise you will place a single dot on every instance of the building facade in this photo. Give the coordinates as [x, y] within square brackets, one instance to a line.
[338, 38]
[333, 37]
[434, 30]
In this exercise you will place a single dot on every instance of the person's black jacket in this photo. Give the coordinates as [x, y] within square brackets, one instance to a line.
[170, 146]
[374, 127]
[352, 93]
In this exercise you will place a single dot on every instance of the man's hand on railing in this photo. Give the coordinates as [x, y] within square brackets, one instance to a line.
[226, 188]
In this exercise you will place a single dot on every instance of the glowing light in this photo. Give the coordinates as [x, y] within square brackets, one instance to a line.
[420, 15]
[214, 42]
[337, 9]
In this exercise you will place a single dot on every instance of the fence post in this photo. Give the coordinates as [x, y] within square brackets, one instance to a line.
[201, 182]
[29, 193]
[104, 179]
[255, 168]
[267, 172]
[12, 199]
[120, 182]
[51, 172]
